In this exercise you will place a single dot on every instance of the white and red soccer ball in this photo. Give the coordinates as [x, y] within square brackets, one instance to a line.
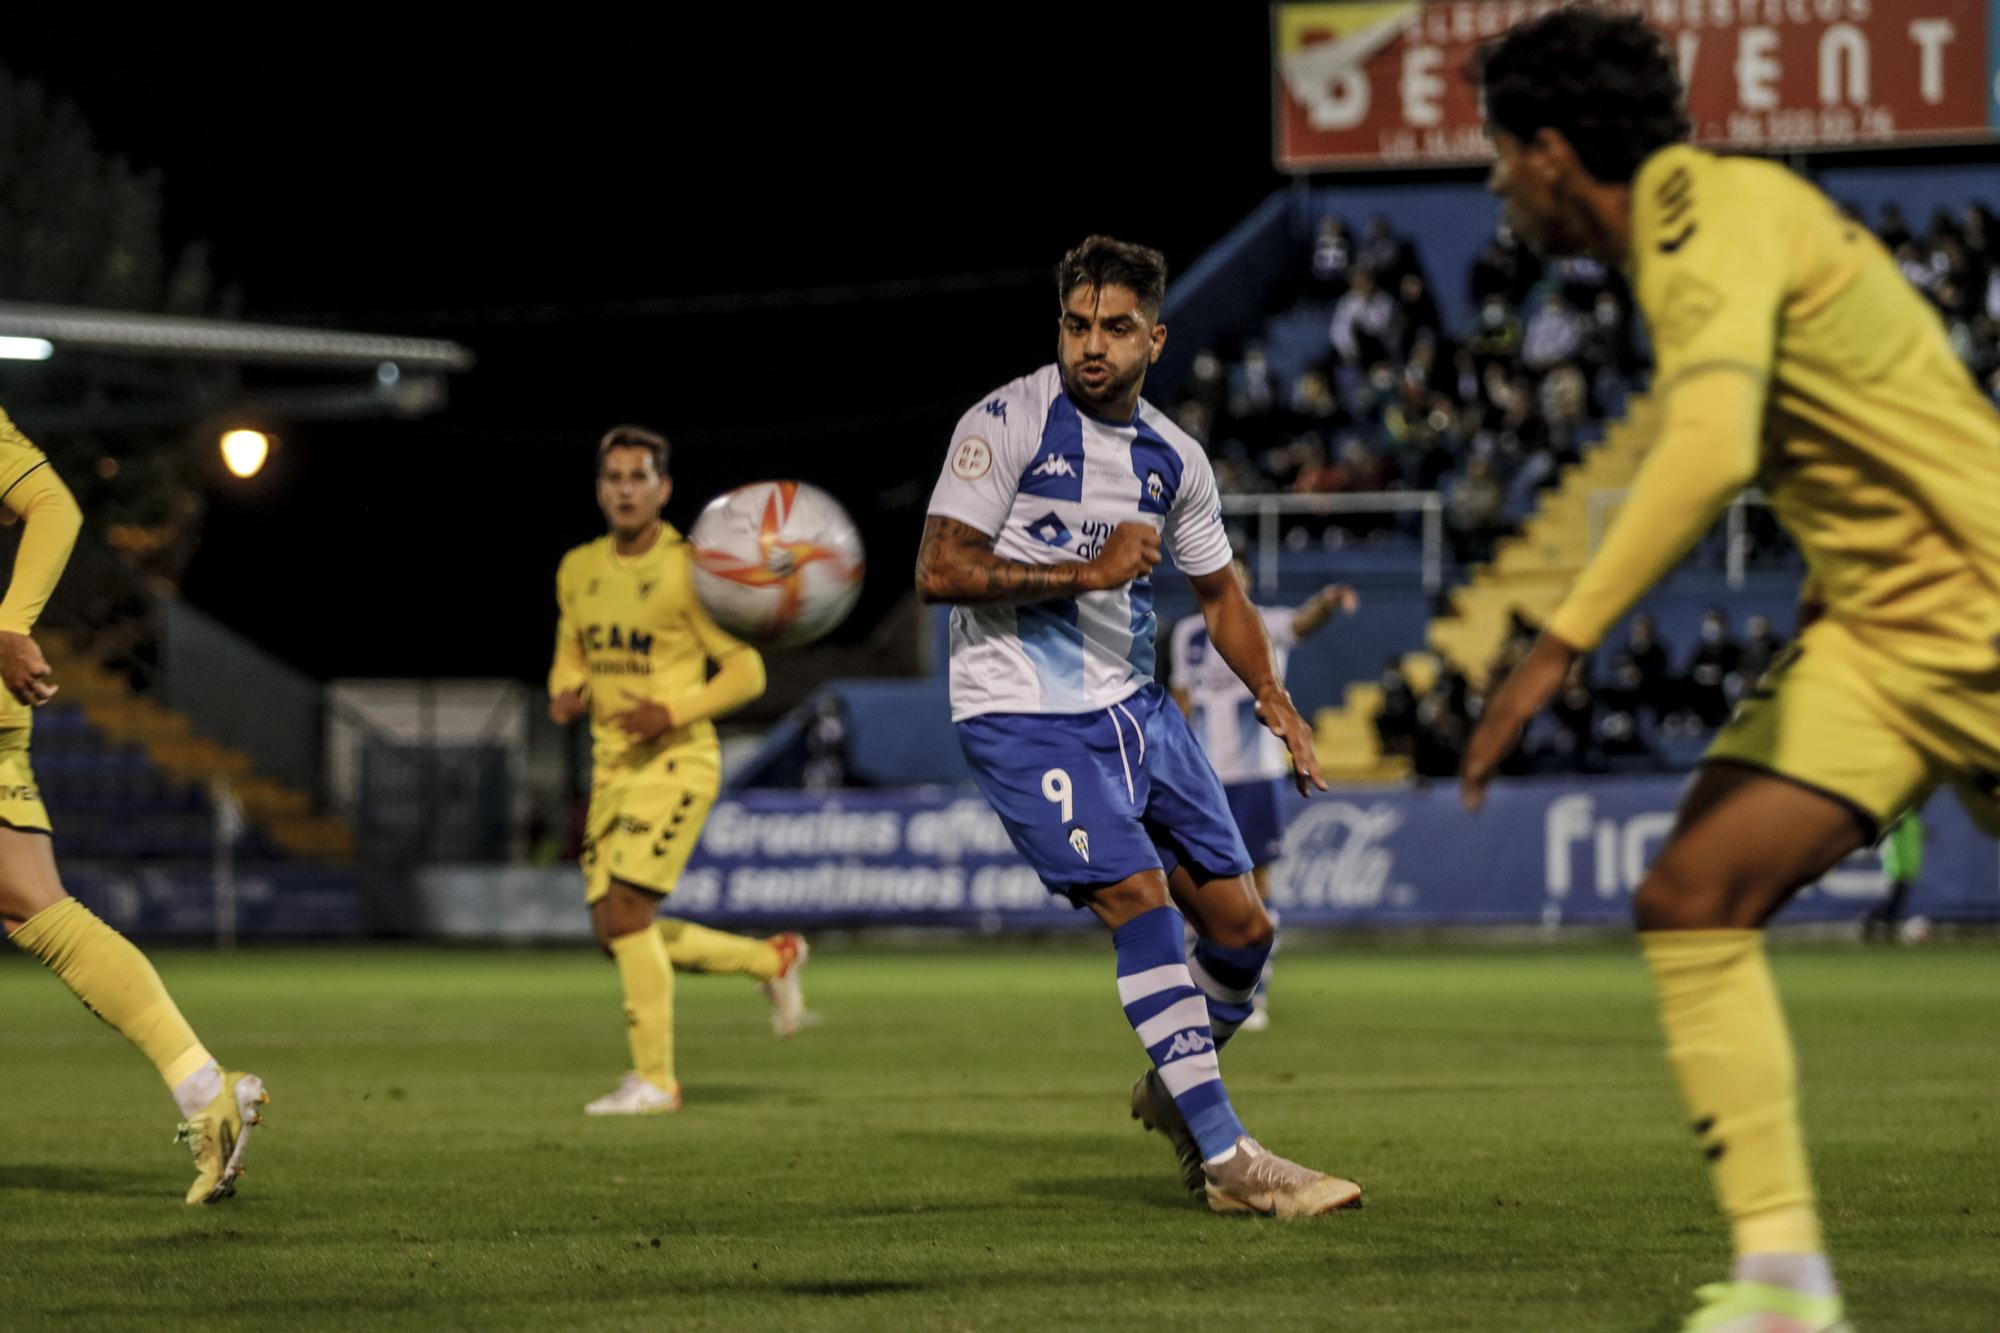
[776, 563]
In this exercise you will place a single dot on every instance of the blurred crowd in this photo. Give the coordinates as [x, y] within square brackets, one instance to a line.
[1393, 399]
[1637, 705]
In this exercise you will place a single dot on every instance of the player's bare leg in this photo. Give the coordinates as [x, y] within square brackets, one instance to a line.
[1744, 842]
[1182, 1096]
[116, 983]
[623, 922]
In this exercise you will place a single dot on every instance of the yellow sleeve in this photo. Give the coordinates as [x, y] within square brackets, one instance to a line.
[1706, 453]
[739, 671]
[52, 522]
[1709, 264]
[568, 671]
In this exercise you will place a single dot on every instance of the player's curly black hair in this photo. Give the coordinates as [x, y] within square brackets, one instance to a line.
[1102, 260]
[1606, 82]
[634, 437]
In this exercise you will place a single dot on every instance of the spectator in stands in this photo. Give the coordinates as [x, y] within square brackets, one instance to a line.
[1761, 646]
[1441, 726]
[1473, 511]
[1418, 313]
[1505, 269]
[1363, 322]
[1554, 334]
[1332, 260]
[1396, 723]
[826, 736]
[1314, 408]
[1574, 741]
[1621, 729]
[1894, 231]
[1254, 414]
[1193, 418]
[1385, 254]
[1659, 688]
[1208, 384]
[1608, 347]
[1497, 340]
[1715, 659]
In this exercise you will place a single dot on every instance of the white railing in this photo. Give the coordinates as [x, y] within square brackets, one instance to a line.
[1604, 504]
[1269, 510]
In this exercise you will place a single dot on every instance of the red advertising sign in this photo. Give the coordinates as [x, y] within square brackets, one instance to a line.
[1383, 84]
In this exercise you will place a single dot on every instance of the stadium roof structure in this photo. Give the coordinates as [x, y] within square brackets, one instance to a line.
[182, 336]
[110, 370]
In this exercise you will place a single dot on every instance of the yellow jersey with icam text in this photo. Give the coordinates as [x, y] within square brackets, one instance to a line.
[631, 629]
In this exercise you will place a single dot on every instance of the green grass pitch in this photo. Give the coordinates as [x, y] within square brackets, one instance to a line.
[951, 1148]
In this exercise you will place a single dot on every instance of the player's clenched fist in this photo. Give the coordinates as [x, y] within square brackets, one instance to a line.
[1129, 553]
[24, 670]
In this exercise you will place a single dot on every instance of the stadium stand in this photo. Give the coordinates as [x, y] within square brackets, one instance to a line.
[1316, 355]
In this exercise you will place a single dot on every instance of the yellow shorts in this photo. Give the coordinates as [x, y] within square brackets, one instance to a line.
[1838, 716]
[20, 795]
[643, 825]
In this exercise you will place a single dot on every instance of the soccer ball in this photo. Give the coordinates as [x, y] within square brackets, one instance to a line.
[776, 563]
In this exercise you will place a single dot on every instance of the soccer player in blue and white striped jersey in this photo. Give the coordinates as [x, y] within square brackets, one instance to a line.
[1054, 503]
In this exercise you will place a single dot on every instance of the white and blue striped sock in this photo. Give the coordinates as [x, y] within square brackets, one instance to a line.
[1170, 1015]
[1229, 978]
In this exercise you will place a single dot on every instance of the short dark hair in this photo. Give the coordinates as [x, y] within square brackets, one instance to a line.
[634, 437]
[1606, 82]
[1103, 261]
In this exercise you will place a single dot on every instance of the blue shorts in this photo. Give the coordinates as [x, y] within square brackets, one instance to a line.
[1091, 799]
[1258, 807]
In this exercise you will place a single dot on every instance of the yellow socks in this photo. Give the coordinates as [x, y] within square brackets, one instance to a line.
[1728, 1045]
[694, 948]
[114, 980]
[649, 1004]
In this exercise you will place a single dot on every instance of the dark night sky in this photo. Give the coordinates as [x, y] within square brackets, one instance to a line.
[507, 188]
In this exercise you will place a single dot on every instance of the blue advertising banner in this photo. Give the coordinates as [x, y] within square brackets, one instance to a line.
[1547, 852]
[178, 898]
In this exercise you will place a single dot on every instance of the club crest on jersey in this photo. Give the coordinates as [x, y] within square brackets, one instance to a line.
[1156, 490]
[1049, 530]
[1079, 842]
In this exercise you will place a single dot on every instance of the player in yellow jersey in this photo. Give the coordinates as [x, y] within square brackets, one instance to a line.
[1792, 354]
[110, 976]
[633, 651]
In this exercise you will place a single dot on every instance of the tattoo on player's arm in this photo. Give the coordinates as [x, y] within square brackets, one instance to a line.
[956, 564]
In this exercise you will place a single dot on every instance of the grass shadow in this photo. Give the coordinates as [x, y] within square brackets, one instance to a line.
[77, 1180]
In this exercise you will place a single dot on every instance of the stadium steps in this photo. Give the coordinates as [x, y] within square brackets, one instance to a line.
[1345, 739]
[284, 815]
[1531, 572]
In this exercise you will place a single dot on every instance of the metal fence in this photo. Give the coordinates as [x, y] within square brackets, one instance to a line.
[1737, 544]
[1270, 511]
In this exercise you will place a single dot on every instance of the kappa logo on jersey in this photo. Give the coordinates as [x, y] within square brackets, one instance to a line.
[1079, 842]
[1055, 465]
[1187, 1043]
[998, 408]
[1049, 530]
[645, 590]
